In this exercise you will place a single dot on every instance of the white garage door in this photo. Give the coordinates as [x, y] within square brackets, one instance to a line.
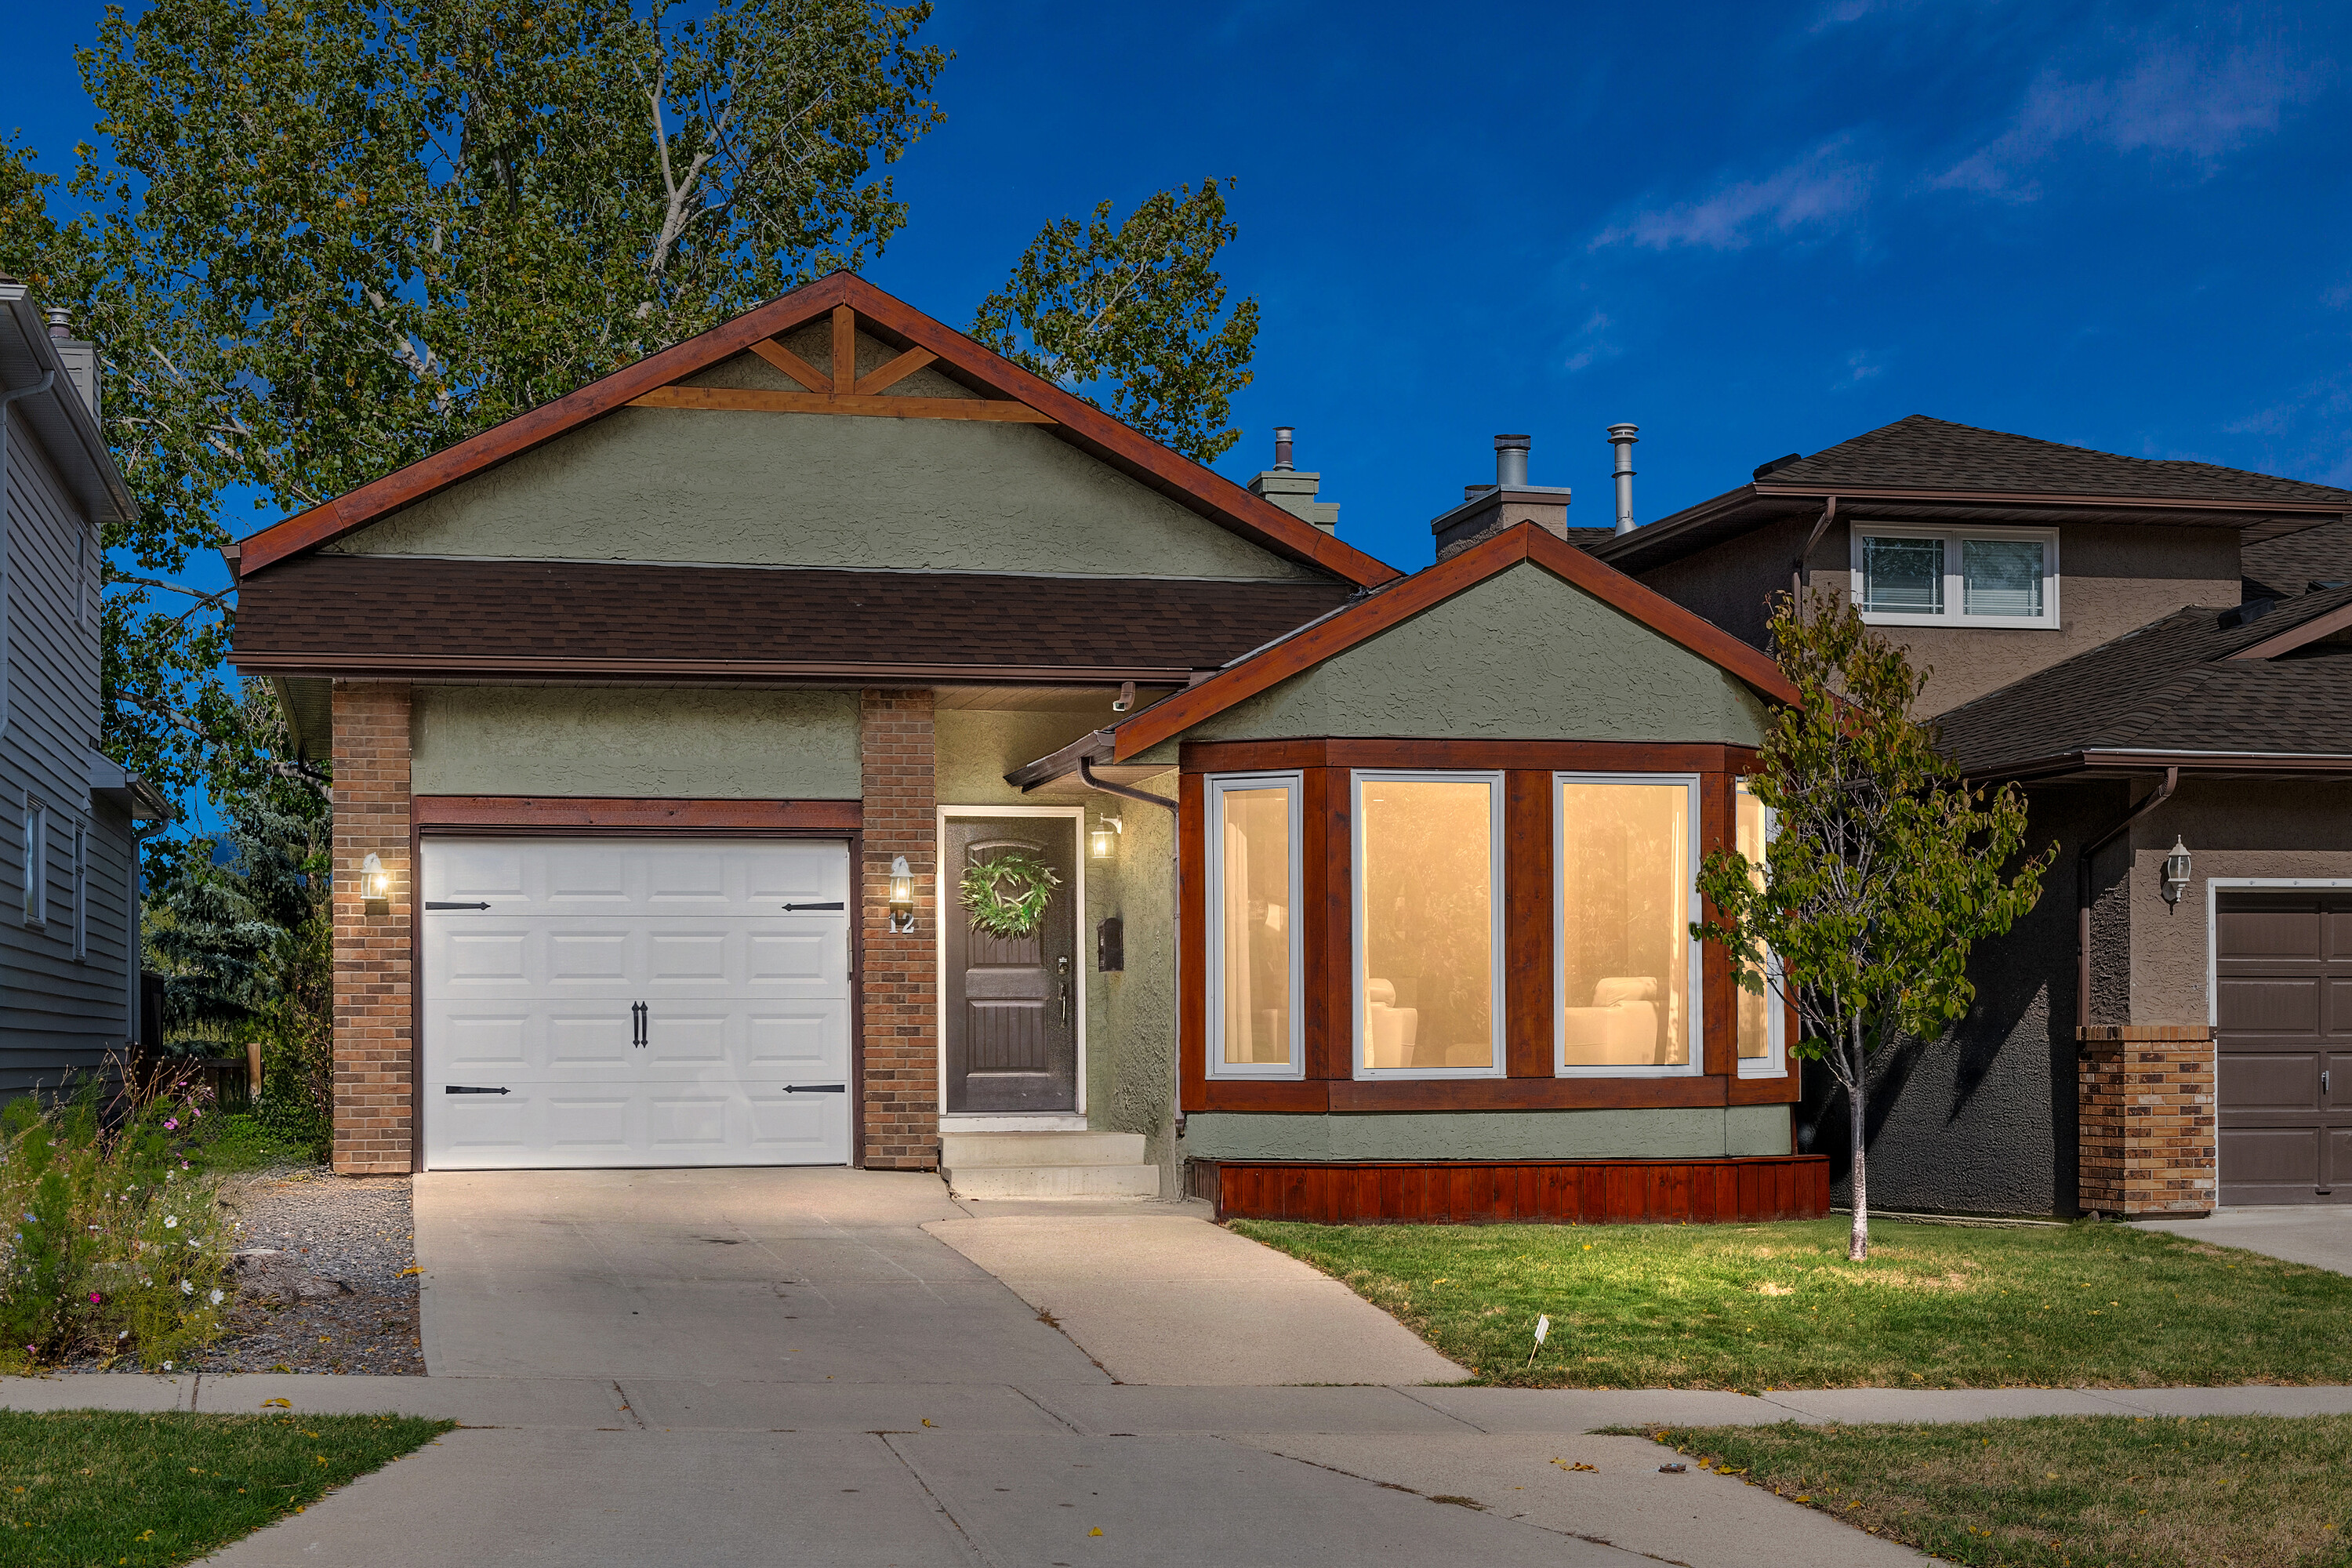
[631, 1002]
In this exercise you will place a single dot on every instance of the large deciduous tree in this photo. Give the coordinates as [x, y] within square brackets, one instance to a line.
[1132, 317]
[328, 238]
[1884, 869]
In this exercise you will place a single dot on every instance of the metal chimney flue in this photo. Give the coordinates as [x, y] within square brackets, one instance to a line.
[1623, 438]
[1282, 435]
[1511, 462]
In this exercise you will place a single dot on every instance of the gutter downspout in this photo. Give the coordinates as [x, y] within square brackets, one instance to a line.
[8, 574]
[2083, 858]
[1176, 912]
[1801, 575]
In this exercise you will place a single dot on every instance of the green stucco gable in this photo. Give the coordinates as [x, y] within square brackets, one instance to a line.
[1523, 655]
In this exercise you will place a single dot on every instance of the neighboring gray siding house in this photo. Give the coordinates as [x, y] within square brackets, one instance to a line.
[69, 876]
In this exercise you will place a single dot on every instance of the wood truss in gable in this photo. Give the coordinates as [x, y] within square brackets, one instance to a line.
[830, 393]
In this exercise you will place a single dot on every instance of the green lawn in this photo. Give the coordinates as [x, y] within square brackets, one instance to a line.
[1777, 1306]
[100, 1486]
[2069, 1491]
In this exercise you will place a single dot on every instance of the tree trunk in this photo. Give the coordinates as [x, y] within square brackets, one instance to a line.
[1857, 1247]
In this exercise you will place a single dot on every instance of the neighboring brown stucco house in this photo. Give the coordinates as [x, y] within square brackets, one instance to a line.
[2154, 650]
[666, 719]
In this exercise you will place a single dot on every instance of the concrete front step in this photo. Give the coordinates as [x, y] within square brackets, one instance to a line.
[1046, 1165]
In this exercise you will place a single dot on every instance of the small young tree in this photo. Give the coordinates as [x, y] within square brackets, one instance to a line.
[1884, 867]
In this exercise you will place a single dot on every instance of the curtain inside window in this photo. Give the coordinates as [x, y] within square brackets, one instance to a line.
[1625, 893]
[1255, 916]
[1754, 1010]
[1903, 576]
[2002, 577]
[1426, 887]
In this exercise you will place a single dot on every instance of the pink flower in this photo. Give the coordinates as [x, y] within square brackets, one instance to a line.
[171, 1124]
[94, 1298]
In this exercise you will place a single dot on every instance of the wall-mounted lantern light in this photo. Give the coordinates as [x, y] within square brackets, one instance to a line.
[375, 886]
[902, 897]
[2175, 870]
[1103, 842]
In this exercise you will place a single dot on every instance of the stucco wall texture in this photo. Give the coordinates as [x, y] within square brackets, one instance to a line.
[1699, 1133]
[819, 490]
[1521, 655]
[698, 745]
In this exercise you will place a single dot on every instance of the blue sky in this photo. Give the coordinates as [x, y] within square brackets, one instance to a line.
[1750, 228]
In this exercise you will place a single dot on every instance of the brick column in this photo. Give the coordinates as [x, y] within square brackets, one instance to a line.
[373, 973]
[898, 984]
[2146, 1142]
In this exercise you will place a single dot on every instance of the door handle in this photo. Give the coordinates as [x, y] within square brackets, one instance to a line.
[2323, 1083]
[816, 1089]
[1062, 968]
[638, 1022]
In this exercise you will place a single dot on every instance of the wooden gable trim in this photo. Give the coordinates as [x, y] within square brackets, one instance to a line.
[1431, 586]
[847, 299]
[761, 400]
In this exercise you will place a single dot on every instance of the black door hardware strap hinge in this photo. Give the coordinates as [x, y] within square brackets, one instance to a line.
[816, 1089]
[468, 1088]
[795, 909]
[637, 1024]
[433, 906]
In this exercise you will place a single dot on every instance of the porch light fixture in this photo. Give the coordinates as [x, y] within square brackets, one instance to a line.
[902, 897]
[2175, 870]
[375, 886]
[1103, 842]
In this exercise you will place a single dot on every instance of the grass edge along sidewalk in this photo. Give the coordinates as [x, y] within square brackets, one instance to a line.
[1753, 1307]
[155, 1488]
[2065, 1492]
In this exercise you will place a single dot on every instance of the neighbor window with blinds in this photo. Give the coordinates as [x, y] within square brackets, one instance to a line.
[1428, 924]
[1627, 978]
[1763, 1017]
[1254, 952]
[1975, 578]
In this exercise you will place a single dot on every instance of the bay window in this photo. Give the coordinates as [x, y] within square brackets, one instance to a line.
[1969, 577]
[1763, 1024]
[1626, 969]
[1254, 1016]
[1428, 924]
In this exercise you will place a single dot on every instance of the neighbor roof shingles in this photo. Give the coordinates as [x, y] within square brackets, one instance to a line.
[1921, 453]
[392, 608]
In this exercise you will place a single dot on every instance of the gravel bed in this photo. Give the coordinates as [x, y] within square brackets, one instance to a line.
[356, 1229]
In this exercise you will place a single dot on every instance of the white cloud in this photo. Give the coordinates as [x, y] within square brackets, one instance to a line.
[1859, 366]
[2174, 98]
[1818, 192]
[1593, 344]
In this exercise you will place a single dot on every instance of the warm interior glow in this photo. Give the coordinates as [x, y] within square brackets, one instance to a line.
[1256, 916]
[1426, 898]
[1625, 898]
[1754, 1010]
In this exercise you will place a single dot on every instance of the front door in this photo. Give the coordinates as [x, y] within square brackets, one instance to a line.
[1012, 1003]
[2284, 969]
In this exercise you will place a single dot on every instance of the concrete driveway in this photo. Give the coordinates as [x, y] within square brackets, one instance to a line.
[2319, 1235]
[723, 1367]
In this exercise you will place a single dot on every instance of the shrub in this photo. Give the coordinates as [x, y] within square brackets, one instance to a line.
[118, 1247]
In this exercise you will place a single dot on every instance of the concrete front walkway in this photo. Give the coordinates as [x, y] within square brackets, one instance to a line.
[2317, 1234]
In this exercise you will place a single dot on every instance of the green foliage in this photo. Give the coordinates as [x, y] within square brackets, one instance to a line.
[332, 237]
[1884, 870]
[155, 1488]
[1781, 1306]
[118, 1247]
[1006, 894]
[1128, 316]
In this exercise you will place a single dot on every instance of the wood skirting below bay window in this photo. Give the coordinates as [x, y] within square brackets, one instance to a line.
[1327, 1078]
[1499, 1192]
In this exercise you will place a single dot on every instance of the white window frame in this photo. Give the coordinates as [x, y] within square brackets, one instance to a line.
[1774, 1062]
[1493, 779]
[82, 892]
[36, 861]
[1955, 590]
[1214, 835]
[1696, 1023]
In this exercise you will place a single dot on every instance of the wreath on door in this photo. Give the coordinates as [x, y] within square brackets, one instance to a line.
[1006, 894]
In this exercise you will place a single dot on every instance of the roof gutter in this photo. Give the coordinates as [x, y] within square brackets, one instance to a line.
[1802, 577]
[2083, 858]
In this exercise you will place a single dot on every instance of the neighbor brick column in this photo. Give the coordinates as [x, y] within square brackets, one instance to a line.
[2146, 1142]
[899, 987]
[374, 975]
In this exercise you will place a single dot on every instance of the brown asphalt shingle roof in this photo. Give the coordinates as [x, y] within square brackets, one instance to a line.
[397, 607]
[1921, 453]
[2288, 565]
[2168, 687]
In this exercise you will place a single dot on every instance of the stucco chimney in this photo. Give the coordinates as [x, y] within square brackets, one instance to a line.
[1510, 500]
[1292, 489]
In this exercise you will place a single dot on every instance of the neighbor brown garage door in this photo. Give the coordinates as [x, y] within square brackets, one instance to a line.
[2283, 964]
